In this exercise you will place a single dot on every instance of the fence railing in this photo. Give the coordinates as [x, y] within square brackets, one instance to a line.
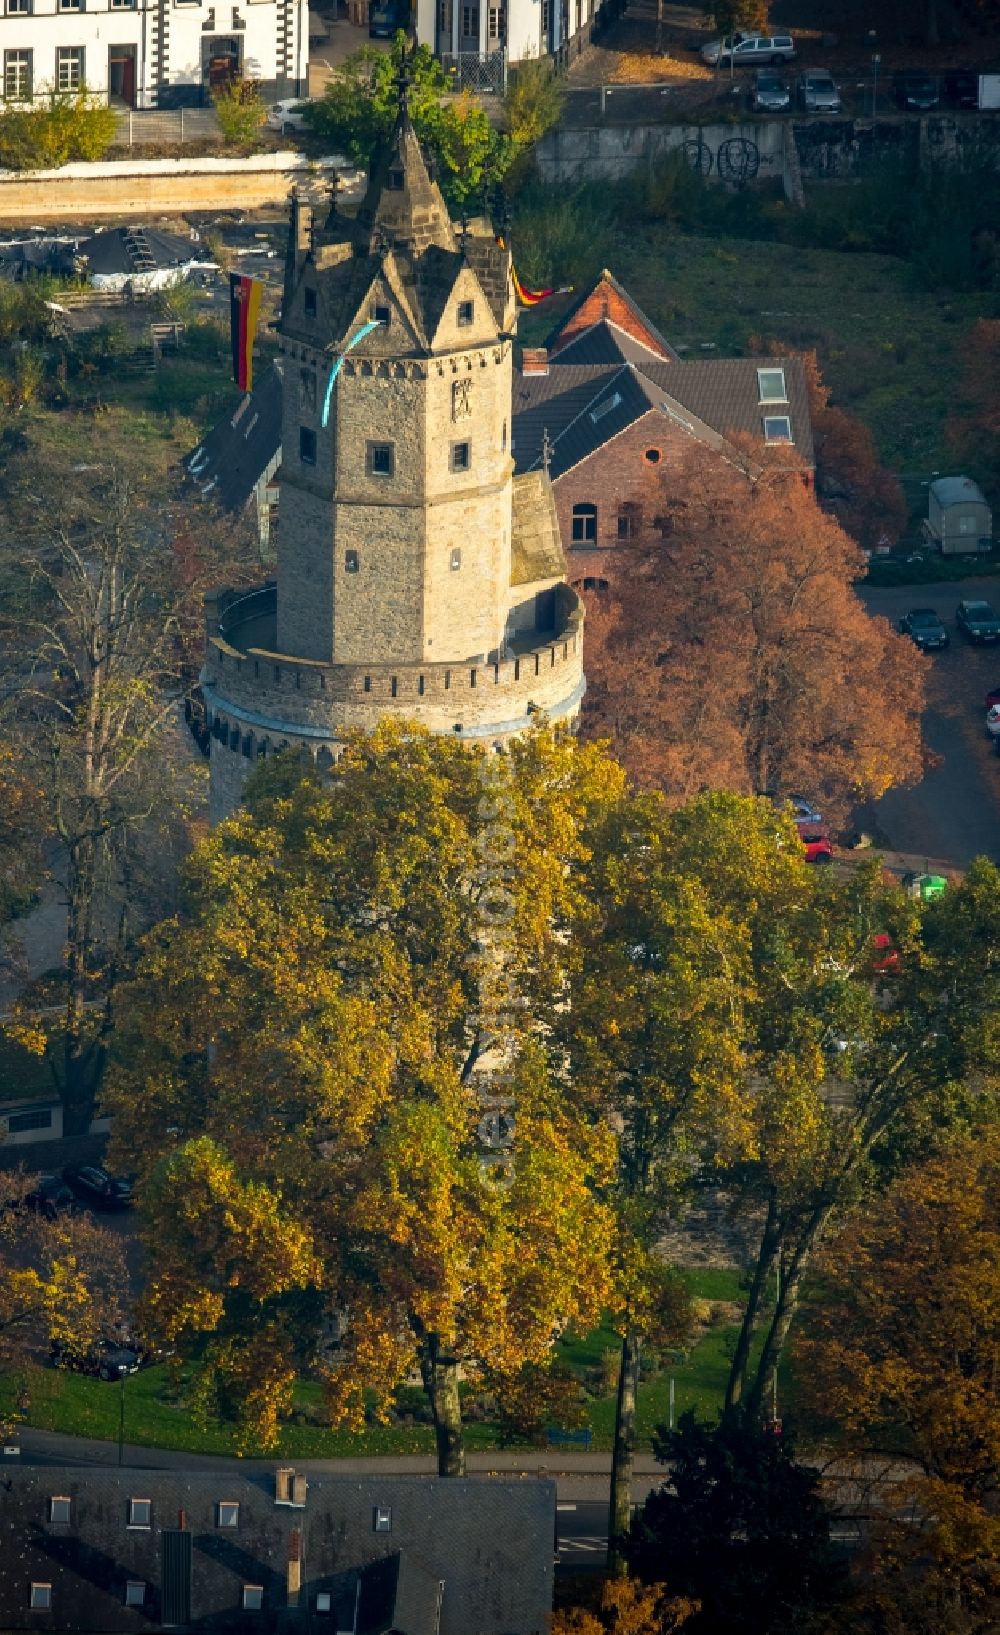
[483, 71]
[147, 127]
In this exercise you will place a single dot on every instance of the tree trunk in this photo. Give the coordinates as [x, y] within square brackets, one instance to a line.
[785, 1308]
[620, 1508]
[440, 1377]
[766, 1256]
[78, 1055]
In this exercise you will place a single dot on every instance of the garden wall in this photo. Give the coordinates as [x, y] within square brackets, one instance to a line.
[141, 187]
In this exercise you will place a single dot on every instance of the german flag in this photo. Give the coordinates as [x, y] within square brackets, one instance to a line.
[244, 311]
[530, 298]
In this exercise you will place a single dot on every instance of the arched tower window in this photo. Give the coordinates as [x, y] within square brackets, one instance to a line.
[584, 525]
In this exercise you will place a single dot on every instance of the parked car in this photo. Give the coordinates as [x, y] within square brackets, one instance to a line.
[803, 810]
[770, 93]
[48, 1196]
[817, 92]
[915, 90]
[817, 844]
[979, 621]
[107, 1360]
[992, 697]
[387, 17]
[287, 116]
[885, 956]
[993, 721]
[748, 50]
[924, 628]
[98, 1187]
[961, 88]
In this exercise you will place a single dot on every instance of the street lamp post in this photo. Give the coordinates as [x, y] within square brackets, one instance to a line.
[876, 59]
[121, 1419]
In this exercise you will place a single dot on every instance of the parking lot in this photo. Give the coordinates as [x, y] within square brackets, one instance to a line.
[953, 814]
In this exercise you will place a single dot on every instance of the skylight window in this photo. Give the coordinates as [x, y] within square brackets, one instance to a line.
[777, 428]
[606, 407]
[771, 386]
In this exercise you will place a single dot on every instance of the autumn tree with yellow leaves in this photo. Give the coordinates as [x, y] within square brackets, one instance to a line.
[900, 1358]
[294, 1084]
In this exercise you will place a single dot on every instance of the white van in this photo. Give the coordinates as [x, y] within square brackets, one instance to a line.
[749, 49]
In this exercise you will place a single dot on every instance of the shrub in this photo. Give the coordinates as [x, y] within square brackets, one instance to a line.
[534, 102]
[239, 109]
[64, 127]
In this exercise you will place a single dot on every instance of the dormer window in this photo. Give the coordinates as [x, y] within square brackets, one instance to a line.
[612, 402]
[381, 315]
[394, 181]
[771, 386]
[309, 303]
[59, 1509]
[466, 313]
[777, 428]
[382, 1515]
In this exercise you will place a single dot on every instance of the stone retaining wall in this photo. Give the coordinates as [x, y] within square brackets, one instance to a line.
[151, 187]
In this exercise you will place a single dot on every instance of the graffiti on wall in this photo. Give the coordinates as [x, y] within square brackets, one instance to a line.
[737, 159]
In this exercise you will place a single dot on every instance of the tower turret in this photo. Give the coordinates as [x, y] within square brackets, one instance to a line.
[398, 510]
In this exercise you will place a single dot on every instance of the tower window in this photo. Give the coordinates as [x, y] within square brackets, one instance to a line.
[503, 439]
[307, 445]
[461, 456]
[456, 559]
[584, 525]
[382, 315]
[393, 686]
[466, 312]
[381, 459]
[309, 303]
[350, 561]
[394, 181]
[368, 684]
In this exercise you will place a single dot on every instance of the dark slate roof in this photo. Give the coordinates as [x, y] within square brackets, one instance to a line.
[714, 400]
[21, 257]
[230, 461]
[605, 343]
[487, 1541]
[136, 250]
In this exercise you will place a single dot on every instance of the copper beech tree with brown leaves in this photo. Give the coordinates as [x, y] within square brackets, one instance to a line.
[731, 650]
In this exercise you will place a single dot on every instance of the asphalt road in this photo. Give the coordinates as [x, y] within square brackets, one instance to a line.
[953, 814]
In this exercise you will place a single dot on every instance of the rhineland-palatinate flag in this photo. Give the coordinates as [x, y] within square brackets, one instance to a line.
[244, 310]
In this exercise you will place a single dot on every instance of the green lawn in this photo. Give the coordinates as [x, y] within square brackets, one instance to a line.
[153, 1418]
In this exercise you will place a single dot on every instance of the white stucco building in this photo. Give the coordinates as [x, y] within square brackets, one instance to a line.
[523, 28]
[153, 53]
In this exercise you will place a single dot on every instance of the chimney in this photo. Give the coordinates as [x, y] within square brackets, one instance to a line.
[182, 1521]
[283, 1485]
[299, 1488]
[294, 1566]
[534, 360]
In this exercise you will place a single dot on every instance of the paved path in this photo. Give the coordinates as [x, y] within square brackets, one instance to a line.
[580, 1476]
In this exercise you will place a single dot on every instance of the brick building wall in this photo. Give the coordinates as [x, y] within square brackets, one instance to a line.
[604, 302]
[623, 481]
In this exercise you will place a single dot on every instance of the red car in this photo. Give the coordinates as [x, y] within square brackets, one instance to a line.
[817, 845]
[885, 958]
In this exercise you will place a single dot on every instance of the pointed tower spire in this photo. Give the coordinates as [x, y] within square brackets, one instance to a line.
[403, 202]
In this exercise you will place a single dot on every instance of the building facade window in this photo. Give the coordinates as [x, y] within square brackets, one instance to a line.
[444, 15]
[584, 525]
[69, 68]
[624, 525]
[350, 561]
[18, 8]
[470, 22]
[652, 456]
[455, 560]
[546, 18]
[494, 22]
[771, 386]
[381, 459]
[307, 445]
[309, 303]
[777, 428]
[71, 5]
[461, 456]
[39, 1118]
[41, 1596]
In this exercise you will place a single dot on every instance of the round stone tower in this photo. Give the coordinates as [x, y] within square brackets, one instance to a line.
[417, 575]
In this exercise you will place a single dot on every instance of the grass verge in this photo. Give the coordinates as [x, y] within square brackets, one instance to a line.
[153, 1417]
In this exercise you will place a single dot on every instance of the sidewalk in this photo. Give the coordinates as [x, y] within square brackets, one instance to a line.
[577, 1475]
